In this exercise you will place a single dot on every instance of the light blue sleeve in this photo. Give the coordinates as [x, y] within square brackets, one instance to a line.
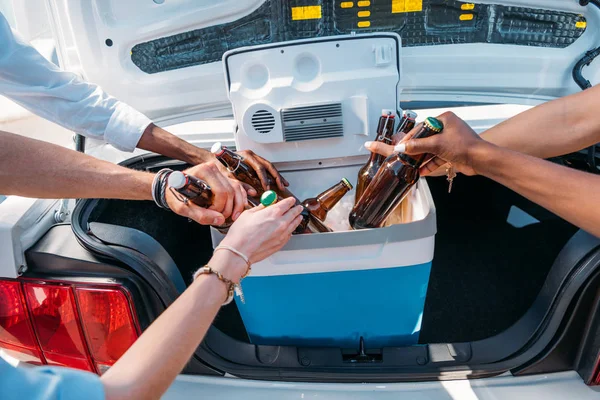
[46, 383]
[38, 85]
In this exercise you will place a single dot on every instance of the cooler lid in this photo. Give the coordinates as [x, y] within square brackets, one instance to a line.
[312, 99]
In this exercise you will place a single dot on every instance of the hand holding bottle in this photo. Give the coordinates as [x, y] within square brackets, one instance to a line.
[229, 200]
[455, 146]
[260, 232]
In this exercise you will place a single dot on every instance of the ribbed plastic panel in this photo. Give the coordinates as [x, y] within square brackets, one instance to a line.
[433, 22]
[312, 122]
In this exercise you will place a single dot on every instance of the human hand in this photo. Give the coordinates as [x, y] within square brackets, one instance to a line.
[455, 145]
[229, 197]
[260, 232]
[264, 169]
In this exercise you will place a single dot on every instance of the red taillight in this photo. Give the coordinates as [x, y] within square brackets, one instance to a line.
[74, 325]
[595, 381]
[16, 336]
[56, 322]
[107, 323]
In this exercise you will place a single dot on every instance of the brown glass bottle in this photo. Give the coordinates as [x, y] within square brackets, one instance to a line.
[244, 172]
[385, 130]
[195, 190]
[407, 122]
[391, 183]
[319, 206]
[199, 192]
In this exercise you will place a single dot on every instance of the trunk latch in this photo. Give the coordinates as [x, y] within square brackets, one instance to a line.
[350, 356]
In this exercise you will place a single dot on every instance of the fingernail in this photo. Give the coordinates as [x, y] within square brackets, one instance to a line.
[368, 144]
[236, 215]
[217, 221]
[400, 148]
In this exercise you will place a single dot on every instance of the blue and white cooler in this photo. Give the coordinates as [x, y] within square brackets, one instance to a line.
[299, 105]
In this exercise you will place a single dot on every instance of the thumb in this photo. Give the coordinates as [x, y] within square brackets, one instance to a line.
[418, 146]
[379, 148]
[204, 216]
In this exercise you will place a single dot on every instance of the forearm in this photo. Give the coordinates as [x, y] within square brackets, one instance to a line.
[148, 368]
[33, 168]
[569, 193]
[157, 140]
[555, 128]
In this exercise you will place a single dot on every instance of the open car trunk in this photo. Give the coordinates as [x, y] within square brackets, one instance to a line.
[502, 278]
[504, 271]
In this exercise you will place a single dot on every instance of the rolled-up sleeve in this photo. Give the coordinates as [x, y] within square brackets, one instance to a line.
[48, 383]
[36, 84]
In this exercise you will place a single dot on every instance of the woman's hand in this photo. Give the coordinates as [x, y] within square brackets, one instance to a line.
[260, 232]
[455, 145]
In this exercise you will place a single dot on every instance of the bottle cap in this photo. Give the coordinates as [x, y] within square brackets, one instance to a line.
[268, 198]
[177, 180]
[217, 149]
[434, 124]
[410, 114]
[347, 183]
[388, 113]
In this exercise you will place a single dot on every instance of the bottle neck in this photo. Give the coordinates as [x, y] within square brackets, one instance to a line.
[413, 161]
[418, 160]
[329, 198]
[385, 131]
[406, 125]
[230, 159]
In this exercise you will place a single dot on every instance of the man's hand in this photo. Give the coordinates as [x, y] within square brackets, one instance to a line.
[454, 145]
[264, 169]
[158, 140]
[230, 197]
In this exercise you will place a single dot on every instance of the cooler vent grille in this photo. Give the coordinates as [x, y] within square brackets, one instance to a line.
[263, 121]
[312, 122]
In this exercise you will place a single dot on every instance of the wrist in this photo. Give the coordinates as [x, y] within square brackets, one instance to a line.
[213, 290]
[479, 156]
[230, 265]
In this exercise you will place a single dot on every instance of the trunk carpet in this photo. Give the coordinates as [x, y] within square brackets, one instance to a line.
[486, 272]
[485, 275]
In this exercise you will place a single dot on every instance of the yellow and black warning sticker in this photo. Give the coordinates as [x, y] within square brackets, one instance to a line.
[404, 6]
[307, 12]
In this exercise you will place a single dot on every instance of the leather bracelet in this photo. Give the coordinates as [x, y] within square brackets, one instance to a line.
[159, 187]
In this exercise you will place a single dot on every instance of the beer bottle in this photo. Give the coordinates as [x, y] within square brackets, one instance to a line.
[308, 224]
[385, 130]
[391, 183]
[244, 173]
[197, 191]
[407, 122]
[319, 206]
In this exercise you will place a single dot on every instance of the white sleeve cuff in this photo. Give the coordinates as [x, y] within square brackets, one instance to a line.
[126, 127]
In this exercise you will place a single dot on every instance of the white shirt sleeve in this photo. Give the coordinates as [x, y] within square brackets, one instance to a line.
[36, 84]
